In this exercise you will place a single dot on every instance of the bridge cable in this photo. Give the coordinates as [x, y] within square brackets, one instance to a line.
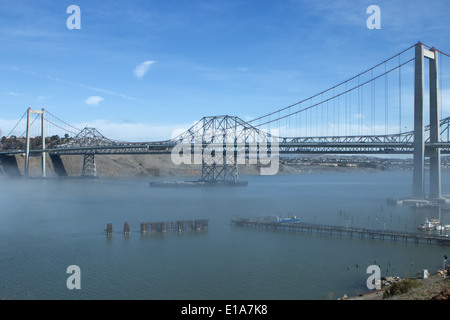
[77, 129]
[285, 108]
[399, 97]
[9, 134]
[336, 96]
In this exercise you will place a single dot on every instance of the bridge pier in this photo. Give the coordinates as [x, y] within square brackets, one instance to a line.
[435, 153]
[89, 168]
[58, 165]
[9, 166]
[219, 163]
[27, 143]
[419, 128]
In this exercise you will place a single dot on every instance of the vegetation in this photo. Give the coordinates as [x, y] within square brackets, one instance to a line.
[401, 287]
[18, 143]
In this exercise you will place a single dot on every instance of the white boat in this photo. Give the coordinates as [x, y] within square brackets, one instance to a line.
[441, 227]
[288, 219]
[429, 225]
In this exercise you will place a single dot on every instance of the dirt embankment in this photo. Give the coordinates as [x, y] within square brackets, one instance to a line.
[138, 165]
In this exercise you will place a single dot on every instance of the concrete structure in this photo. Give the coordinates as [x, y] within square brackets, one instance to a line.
[419, 127]
[27, 144]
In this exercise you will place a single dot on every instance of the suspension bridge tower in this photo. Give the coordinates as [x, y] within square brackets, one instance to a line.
[420, 151]
[27, 143]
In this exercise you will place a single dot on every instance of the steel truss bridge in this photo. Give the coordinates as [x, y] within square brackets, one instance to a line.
[221, 143]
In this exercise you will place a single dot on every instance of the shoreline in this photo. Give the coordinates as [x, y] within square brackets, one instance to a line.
[434, 287]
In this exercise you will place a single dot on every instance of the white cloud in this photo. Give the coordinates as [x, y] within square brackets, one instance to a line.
[108, 92]
[93, 100]
[43, 97]
[142, 68]
[15, 94]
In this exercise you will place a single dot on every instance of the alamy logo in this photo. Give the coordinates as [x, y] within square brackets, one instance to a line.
[229, 147]
[374, 21]
[74, 21]
[374, 280]
[74, 280]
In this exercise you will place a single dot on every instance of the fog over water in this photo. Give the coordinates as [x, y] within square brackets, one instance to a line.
[48, 225]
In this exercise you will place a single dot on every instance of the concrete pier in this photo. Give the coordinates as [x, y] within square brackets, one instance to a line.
[9, 166]
[419, 127]
[420, 152]
[435, 131]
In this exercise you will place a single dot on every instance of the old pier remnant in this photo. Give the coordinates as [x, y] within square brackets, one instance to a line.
[165, 226]
[179, 225]
[109, 229]
[126, 228]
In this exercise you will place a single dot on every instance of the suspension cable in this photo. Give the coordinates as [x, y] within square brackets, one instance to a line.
[9, 134]
[342, 83]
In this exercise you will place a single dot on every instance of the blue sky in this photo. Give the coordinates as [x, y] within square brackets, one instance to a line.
[139, 69]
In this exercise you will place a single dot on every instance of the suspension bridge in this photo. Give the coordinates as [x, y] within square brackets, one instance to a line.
[381, 110]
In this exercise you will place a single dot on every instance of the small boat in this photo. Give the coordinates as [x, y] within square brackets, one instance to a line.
[288, 219]
[442, 227]
[429, 225]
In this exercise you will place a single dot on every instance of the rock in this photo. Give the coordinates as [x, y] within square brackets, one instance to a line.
[388, 281]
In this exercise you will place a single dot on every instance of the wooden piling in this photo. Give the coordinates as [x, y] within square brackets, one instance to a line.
[109, 229]
[126, 228]
[166, 226]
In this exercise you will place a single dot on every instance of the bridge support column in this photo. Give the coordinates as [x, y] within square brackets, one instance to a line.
[43, 163]
[219, 162]
[419, 128]
[58, 165]
[435, 153]
[9, 166]
[419, 142]
[27, 143]
[89, 168]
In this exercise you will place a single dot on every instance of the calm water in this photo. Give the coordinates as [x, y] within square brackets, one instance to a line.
[48, 225]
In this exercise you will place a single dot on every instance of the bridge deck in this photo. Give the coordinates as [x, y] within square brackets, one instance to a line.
[341, 230]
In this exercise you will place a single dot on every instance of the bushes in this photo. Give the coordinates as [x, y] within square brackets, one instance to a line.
[401, 287]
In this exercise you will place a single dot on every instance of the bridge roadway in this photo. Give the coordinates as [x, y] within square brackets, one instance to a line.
[400, 143]
[340, 230]
[281, 147]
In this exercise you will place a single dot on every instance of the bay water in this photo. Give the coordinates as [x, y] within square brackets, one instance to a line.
[47, 225]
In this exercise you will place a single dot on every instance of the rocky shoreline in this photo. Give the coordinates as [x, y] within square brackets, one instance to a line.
[434, 287]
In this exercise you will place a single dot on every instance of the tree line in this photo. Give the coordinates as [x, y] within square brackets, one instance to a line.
[19, 143]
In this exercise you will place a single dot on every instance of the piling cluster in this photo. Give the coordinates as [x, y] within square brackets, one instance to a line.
[179, 226]
[164, 226]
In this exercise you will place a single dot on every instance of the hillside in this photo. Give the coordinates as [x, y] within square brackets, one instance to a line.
[158, 165]
[138, 165]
